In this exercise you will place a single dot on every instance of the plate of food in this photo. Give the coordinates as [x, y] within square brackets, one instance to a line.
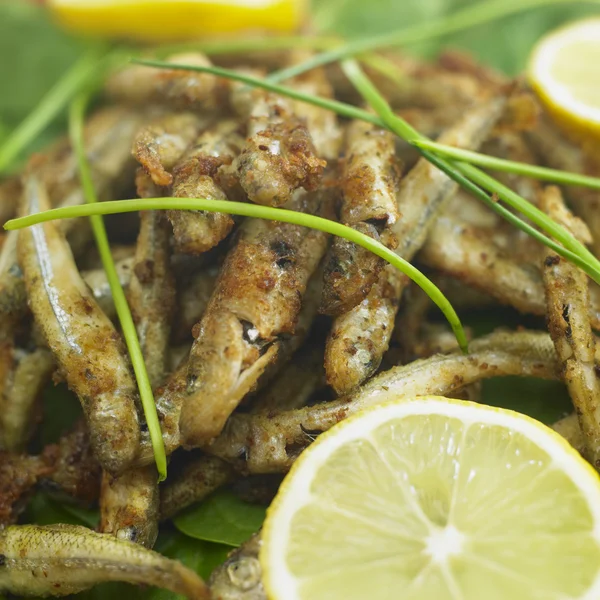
[299, 302]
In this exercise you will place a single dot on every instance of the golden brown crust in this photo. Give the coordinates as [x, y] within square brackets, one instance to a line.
[568, 303]
[196, 176]
[86, 346]
[159, 145]
[277, 160]
[350, 272]
[257, 298]
[361, 336]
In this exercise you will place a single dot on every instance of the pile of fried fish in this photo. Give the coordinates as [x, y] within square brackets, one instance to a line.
[260, 335]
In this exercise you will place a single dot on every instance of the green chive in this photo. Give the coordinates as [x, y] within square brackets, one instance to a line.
[510, 166]
[76, 124]
[257, 212]
[401, 128]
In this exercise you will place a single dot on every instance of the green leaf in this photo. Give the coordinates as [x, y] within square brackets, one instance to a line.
[222, 518]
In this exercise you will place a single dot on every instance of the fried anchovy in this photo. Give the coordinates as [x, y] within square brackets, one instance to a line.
[291, 386]
[137, 84]
[569, 325]
[159, 145]
[360, 337]
[559, 153]
[108, 137]
[24, 374]
[256, 300]
[271, 442]
[369, 186]
[470, 255]
[279, 155]
[129, 505]
[152, 292]
[195, 176]
[84, 342]
[18, 476]
[58, 560]
[240, 576]
[193, 482]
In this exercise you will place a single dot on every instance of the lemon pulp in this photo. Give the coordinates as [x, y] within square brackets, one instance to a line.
[564, 72]
[432, 500]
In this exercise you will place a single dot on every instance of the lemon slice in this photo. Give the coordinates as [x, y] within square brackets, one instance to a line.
[435, 499]
[163, 20]
[565, 72]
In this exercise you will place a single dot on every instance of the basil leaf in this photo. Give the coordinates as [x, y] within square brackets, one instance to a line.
[221, 518]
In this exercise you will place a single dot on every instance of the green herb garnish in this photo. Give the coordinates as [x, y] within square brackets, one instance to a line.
[472, 179]
[76, 124]
[257, 212]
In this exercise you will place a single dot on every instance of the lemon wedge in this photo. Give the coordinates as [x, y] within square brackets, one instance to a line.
[435, 499]
[168, 20]
[564, 70]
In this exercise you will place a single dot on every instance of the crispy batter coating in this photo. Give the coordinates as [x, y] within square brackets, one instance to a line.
[360, 337]
[279, 157]
[159, 145]
[568, 302]
[84, 342]
[58, 560]
[196, 176]
[257, 299]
